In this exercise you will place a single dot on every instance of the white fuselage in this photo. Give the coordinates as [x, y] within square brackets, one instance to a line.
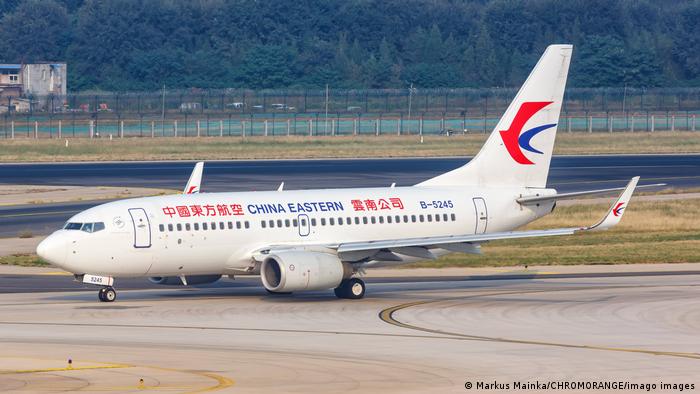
[219, 233]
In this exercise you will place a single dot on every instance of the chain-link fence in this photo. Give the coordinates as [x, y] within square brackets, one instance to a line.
[332, 112]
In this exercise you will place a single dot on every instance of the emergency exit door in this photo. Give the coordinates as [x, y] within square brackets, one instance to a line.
[142, 228]
[482, 215]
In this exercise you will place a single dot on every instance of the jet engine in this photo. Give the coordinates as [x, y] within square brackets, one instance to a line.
[289, 271]
[191, 280]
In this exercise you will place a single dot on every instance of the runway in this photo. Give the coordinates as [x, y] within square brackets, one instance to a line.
[568, 173]
[406, 336]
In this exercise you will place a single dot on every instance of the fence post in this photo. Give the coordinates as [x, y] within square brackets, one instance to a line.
[59, 129]
[311, 127]
[568, 123]
[175, 127]
[420, 125]
[693, 128]
[221, 128]
[332, 127]
[153, 129]
[376, 127]
[632, 124]
[121, 129]
[610, 123]
[590, 124]
[199, 129]
[92, 129]
[354, 127]
[652, 123]
[36, 129]
[265, 123]
[12, 128]
[289, 127]
[398, 126]
[673, 122]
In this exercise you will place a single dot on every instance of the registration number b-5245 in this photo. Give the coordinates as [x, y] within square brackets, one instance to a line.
[98, 280]
[436, 204]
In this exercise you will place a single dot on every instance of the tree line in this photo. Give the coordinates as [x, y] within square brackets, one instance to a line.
[126, 45]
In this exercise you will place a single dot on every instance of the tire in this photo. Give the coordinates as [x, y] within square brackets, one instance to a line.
[108, 294]
[101, 295]
[351, 289]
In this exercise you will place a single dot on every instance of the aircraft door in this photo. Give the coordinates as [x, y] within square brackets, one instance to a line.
[304, 225]
[142, 228]
[482, 215]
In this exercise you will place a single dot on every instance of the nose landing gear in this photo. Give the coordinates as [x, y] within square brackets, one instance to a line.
[107, 294]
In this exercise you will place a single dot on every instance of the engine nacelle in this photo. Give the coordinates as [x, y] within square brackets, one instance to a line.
[296, 271]
[191, 280]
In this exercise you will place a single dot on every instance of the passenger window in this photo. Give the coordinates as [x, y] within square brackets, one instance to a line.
[187, 227]
[444, 217]
[204, 226]
[196, 227]
[348, 221]
[413, 218]
[279, 222]
[388, 219]
[161, 227]
[437, 217]
[295, 222]
[247, 224]
[323, 221]
[271, 223]
[170, 227]
[421, 218]
[263, 224]
[397, 219]
[381, 219]
[340, 221]
[405, 218]
[357, 220]
[303, 222]
[331, 221]
[221, 226]
[364, 220]
[453, 217]
[238, 225]
[286, 223]
[373, 220]
[313, 221]
[179, 227]
[430, 218]
[213, 225]
[230, 226]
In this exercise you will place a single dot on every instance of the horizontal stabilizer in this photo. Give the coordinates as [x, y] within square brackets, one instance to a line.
[563, 196]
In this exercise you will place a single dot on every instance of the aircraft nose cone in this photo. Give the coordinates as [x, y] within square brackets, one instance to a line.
[52, 249]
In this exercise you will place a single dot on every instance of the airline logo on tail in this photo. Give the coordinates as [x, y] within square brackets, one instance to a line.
[514, 141]
[192, 190]
[617, 211]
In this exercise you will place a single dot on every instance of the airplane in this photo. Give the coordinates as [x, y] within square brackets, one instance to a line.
[301, 240]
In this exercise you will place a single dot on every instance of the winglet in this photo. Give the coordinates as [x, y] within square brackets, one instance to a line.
[195, 181]
[616, 210]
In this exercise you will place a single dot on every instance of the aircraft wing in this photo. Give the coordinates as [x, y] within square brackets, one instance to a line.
[420, 247]
[195, 181]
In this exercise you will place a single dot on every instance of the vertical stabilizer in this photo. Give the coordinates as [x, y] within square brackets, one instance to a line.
[519, 150]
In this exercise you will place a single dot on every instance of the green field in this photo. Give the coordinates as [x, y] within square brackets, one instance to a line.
[231, 148]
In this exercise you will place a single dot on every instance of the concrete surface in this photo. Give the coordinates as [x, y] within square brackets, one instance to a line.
[42, 194]
[403, 337]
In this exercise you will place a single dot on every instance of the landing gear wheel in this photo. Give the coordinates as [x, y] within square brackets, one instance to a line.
[352, 289]
[107, 294]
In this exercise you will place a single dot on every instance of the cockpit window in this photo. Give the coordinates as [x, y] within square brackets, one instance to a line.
[72, 226]
[87, 227]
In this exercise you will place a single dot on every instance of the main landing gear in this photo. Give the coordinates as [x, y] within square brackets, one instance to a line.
[107, 294]
[352, 289]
